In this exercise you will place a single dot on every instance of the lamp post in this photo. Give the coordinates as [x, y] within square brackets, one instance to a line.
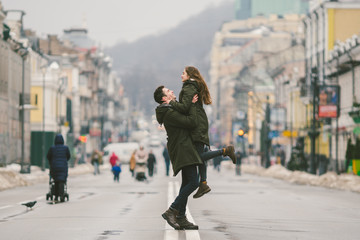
[61, 90]
[313, 131]
[23, 53]
[43, 69]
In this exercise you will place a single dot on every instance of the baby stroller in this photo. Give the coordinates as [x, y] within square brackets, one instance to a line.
[140, 171]
[51, 194]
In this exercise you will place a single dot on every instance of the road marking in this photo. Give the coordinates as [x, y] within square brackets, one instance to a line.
[7, 206]
[170, 233]
[190, 234]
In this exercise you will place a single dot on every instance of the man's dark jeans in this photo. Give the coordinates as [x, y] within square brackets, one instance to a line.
[190, 182]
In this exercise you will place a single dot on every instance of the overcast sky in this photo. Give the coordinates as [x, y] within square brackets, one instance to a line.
[108, 21]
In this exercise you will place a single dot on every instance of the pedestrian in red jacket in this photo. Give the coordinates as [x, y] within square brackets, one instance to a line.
[113, 159]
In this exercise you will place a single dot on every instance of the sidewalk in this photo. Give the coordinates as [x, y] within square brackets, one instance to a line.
[349, 182]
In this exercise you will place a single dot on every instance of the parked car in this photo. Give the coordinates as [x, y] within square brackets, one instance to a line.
[123, 150]
[155, 141]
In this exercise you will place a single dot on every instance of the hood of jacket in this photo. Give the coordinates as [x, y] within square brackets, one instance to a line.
[161, 111]
[59, 140]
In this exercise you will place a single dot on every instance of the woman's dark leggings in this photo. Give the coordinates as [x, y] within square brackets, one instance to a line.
[205, 155]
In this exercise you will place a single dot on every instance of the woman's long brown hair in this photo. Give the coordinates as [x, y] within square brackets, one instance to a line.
[194, 73]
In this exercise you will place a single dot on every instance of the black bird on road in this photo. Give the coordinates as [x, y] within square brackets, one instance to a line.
[29, 204]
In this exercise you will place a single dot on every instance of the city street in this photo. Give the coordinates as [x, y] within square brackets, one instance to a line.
[238, 207]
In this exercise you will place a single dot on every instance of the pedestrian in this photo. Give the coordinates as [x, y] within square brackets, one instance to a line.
[282, 156]
[183, 155]
[116, 169]
[132, 163]
[141, 160]
[96, 160]
[238, 163]
[58, 156]
[194, 83]
[113, 159]
[167, 160]
[217, 162]
[348, 155]
[151, 162]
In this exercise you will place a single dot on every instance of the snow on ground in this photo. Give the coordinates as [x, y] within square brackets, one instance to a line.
[11, 177]
[346, 181]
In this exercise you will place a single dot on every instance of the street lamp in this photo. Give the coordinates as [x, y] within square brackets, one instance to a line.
[62, 87]
[23, 53]
[43, 69]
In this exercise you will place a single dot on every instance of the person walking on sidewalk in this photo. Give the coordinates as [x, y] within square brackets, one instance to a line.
[194, 83]
[183, 154]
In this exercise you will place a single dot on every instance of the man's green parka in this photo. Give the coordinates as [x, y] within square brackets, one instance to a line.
[181, 148]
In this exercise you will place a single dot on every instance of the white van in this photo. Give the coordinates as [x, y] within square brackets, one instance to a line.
[123, 150]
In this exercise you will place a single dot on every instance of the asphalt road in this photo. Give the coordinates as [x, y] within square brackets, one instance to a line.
[238, 207]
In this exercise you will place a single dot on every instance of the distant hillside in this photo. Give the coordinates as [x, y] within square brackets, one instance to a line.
[159, 60]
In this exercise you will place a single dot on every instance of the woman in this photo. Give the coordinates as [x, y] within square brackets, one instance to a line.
[132, 163]
[58, 156]
[194, 83]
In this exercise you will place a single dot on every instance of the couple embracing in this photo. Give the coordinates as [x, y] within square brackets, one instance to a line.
[186, 125]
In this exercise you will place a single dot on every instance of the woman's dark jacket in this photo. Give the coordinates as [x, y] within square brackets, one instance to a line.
[58, 156]
[181, 148]
[201, 132]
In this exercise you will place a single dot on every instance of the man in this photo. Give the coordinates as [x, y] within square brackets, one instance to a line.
[167, 160]
[238, 163]
[151, 161]
[96, 160]
[141, 157]
[183, 154]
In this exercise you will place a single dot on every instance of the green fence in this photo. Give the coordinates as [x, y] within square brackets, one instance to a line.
[36, 147]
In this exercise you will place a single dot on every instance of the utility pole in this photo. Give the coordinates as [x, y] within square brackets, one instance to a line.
[43, 69]
[23, 53]
[267, 131]
[337, 124]
[313, 132]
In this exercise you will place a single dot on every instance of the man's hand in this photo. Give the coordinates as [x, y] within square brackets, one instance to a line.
[195, 98]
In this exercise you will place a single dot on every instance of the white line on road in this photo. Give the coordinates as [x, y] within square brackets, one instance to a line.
[170, 233]
[7, 206]
[190, 234]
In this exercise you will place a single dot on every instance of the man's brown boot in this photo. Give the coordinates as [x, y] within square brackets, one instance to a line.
[203, 189]
[230, 151]
[170, 217]
[185, 224]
